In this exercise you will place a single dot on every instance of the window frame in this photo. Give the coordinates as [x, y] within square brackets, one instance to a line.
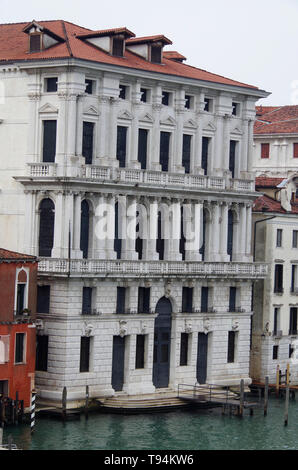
[20, 353]
[265, 150]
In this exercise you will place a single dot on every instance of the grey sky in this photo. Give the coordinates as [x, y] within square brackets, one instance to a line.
[252, 41]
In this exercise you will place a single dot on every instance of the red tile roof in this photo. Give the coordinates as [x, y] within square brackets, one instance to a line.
[267, 204]
[145, 39]
[14, 47]
[174, 55]
[267, 182]
[276, 120]
[107, 32]
[14, 256]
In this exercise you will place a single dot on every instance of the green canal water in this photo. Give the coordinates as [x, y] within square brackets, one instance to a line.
[178, 430]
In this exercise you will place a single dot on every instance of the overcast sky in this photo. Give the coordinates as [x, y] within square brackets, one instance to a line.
[253, 41]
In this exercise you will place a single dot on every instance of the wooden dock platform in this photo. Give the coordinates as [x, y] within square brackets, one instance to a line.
[215, 395]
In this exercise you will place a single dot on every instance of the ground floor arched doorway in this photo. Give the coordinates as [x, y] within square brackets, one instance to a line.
[162, 343]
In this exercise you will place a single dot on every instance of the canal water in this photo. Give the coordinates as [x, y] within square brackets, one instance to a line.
[177, 430]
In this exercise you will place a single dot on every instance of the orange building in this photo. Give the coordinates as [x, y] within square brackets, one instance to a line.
[18, 276]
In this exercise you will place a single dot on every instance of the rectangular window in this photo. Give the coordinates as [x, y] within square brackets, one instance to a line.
[89, 86]
[188, 102]
[121, 294]
[121, 145]
[85, 354]
[204, 299]
[265, 150]
[187, 299]
[156, 54]
[142, 148]
[293, 321]
[88, 135]
[164, 150]
[276, 320]
[140, 352]
[123, 91]
[232, 299]
[205, 150]
[279, 237]
[184, 349]
[35, 42]
[118, 47]
[294, 278]
[232, 157]
[43, 299]
[186, 152]
[87, 301]
[42, 352]
[291, 350]
[278, 278]
[207, 102]
[19, 348]
[235, 109]
[51, 84]
[165, 98]
[295, 239]
[231, 346]
[49, 141]
[144, 300]
[4, 349]
[295, 150]
[144, 95]
[275, 352]
[20, 298]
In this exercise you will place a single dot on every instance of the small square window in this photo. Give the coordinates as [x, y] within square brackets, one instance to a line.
[295, 150]
[51, 84]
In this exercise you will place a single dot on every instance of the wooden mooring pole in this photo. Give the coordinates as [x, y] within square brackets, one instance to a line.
[277, 381]
[266, 395]
[287, 404]
[64, 399]
[241, 398]
[32, 420]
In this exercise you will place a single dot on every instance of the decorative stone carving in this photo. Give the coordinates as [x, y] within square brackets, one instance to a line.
[122, 328]
[87, 329]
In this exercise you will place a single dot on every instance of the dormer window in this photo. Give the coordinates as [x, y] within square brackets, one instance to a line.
[156, 50]
[35, 42]
[118, 46]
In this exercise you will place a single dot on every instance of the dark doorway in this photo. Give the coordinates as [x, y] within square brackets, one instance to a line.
[162, 343]
[87, 151]
[202, 358]
[118, 363]
[230, 233]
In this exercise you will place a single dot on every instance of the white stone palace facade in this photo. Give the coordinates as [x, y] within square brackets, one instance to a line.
[102, 126]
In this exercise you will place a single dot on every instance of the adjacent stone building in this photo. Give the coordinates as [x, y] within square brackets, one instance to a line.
[106, 137]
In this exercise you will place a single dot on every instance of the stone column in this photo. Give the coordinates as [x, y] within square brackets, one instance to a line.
[194, 211]
[102, 144]
[33, 123]
[31, 222]
[215, 229]
[177, 155]
[150, 243]
[129, 243]
[110, 205]
[112, 132]
[224, 232]
[156, 108]
[175, 231]
[76, 249]
[58, 250]
[250, 145]
[100, 232]
[226, 142]
[248, 232]
[79, 128]
[219, 163]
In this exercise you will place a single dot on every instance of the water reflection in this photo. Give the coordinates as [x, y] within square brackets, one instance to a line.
[185, 430]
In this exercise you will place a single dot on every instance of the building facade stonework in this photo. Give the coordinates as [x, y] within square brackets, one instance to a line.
[120, 133]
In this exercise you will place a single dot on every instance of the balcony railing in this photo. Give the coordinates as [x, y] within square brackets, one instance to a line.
[85, 267]
[146, 177]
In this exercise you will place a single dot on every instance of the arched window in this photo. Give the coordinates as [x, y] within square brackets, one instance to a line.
[85, 218]
[46, 227]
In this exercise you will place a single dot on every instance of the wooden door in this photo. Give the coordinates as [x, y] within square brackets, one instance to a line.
[118, 363]
[162, 343]
[202, 358]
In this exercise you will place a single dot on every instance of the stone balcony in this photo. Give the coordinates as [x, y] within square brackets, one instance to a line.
[145, 178]
[150, 269]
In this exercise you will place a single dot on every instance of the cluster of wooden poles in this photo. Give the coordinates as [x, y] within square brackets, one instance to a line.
[11, 411]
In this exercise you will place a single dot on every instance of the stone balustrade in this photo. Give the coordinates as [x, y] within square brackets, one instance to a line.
[147, 177]
[91, 267]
